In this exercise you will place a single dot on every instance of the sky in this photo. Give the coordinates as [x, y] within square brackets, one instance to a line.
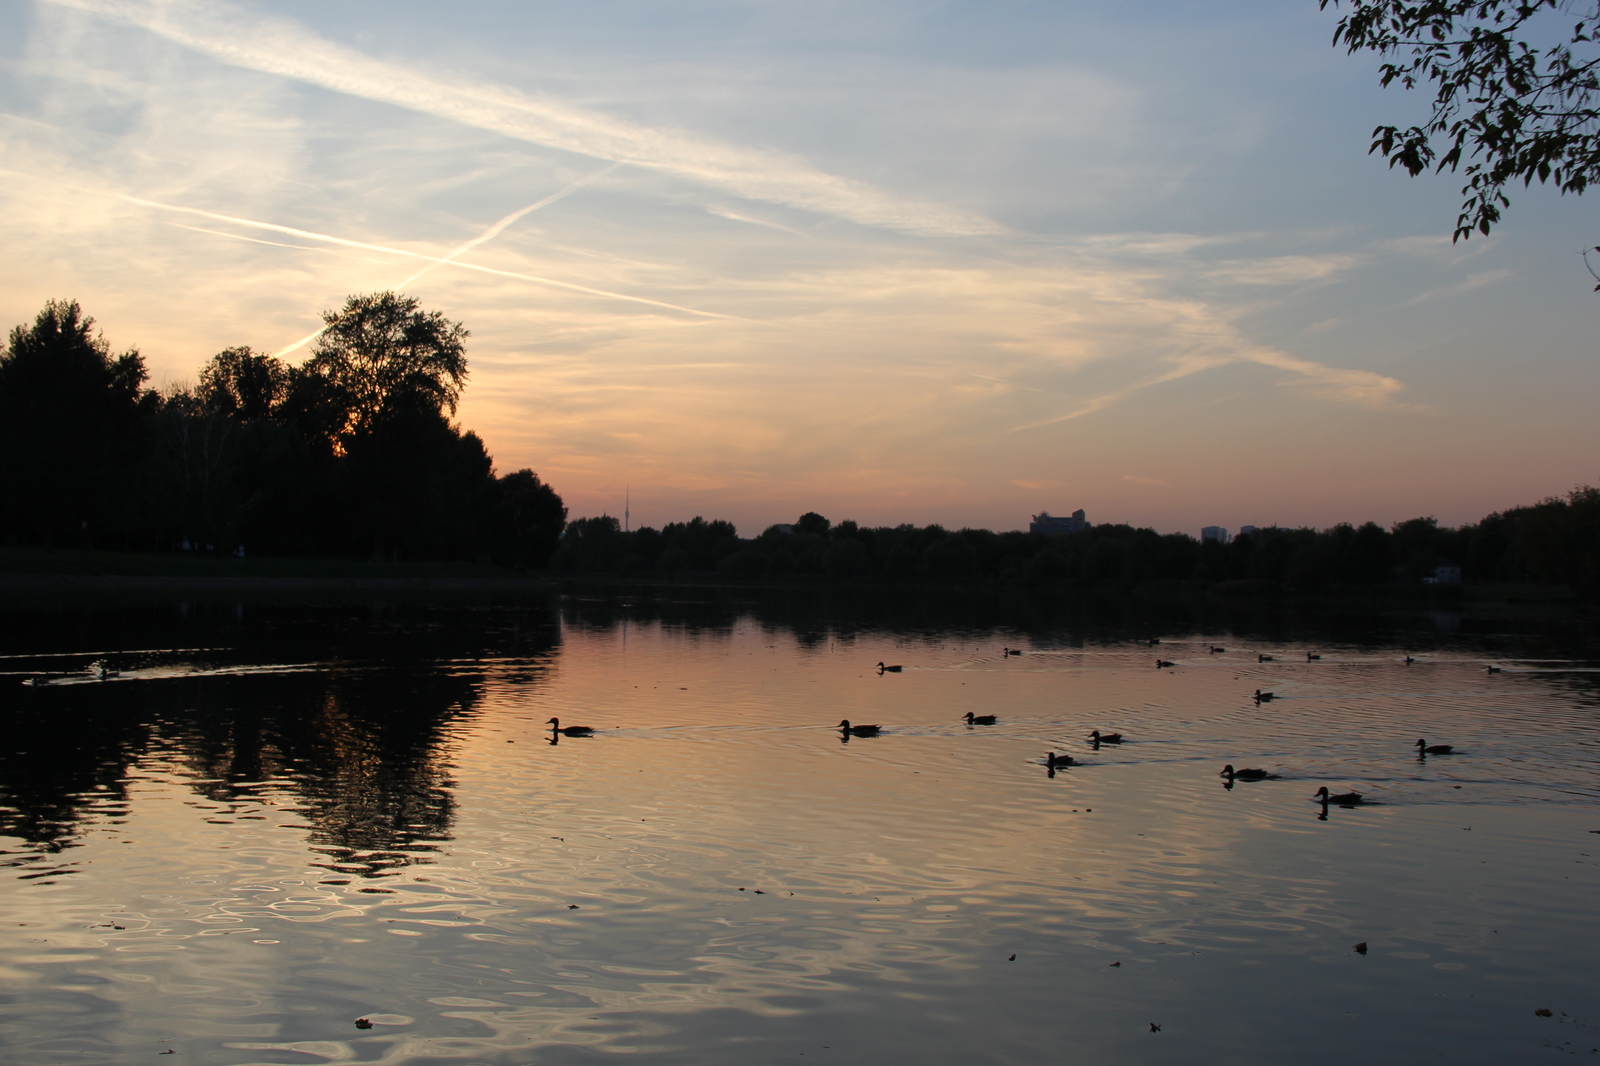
[908, 261]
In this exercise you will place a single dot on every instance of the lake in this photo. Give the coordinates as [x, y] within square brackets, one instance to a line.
[313, 830]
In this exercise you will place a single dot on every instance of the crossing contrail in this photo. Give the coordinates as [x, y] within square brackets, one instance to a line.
[241, 37]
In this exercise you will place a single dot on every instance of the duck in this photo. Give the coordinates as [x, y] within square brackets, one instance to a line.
[1010, 651]
[1161, 663]
[1213, 649]
[570, 730]
[1246, 774]
[1310, 658]
[1348, 799]
[1265, 659]
[882, 669]
[1409, 660]
[1154, 641]
[980, 719]
[1424, 748]
[1105, 738]
[1052, 760]
[1262, 697]
[859, 730]
[1492, 669]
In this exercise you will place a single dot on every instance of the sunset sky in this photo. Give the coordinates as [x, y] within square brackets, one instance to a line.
[947, 262]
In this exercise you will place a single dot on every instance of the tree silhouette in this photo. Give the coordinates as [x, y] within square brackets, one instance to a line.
[69, 427]
[1503, 107]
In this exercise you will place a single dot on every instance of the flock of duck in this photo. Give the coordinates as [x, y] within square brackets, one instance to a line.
[1052, 761]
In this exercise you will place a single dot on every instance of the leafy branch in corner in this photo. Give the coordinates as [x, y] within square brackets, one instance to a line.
[1504, 108]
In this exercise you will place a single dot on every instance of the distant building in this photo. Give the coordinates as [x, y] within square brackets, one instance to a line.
[1446, 573]
[1216, 533]
[1245, 531]
[1045, 522]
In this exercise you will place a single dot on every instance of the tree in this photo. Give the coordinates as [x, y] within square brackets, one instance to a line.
[246, 384]
[1503, 108]
[69, 426]
[378, 355]
[528, 520]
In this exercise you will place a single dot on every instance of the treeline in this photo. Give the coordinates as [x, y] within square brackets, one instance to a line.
[1556, 541]
[351, 453]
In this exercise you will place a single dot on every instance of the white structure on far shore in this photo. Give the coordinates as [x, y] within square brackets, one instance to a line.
[1245, 531]
[1216, 533]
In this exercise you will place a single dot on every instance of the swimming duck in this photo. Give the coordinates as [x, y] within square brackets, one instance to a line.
[859, 730]
[980, 719]
[1010, 651]
[569, 731]
[1262, 697]
[1409, 660]
[1161, 663]
[1312, 658]
[1348, 799]
[1492, 669]
[882, 669]
[1052, 760]
[1264, 659]
[1246, 774]
[1214, 649]
[1105, 738]
[1424, 748]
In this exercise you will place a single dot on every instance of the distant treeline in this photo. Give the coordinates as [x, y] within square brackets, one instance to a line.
[351, 453]
[1556, 541]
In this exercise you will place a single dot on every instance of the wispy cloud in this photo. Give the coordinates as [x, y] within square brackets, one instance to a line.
[239, 36]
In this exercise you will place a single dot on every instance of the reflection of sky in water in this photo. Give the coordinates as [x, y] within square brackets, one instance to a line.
[234, 853]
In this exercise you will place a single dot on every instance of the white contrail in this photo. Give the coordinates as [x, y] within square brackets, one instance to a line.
[500, 227]
[273, 227]
[238, 36]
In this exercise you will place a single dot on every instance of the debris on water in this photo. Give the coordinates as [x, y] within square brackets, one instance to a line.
[1154, 1028]
[572, 906]
[169, 1051]
[1545, 1012]
[759, 892]
[741, 889]
[1361, 948]
[363, 1023]
[1013, 957]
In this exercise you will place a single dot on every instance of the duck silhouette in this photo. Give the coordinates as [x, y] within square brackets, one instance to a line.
[1161, 663]
[570, 730]
[1247, 774]
[859, 730]
[1214, 649]
[1424, 748]
[1492, 669]
[1265, 659]
[980, 719]
[1262, 697]
[1105, 738]
[1312, 658]
[1409, 660]
[1344, 799]
[882, 669]
[1052, 760]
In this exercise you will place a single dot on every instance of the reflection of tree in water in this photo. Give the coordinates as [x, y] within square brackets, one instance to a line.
[359, 747]
[363, 752]
[53, 764]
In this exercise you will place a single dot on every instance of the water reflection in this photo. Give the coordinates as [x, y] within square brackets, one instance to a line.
[350, 707]
[284, 817]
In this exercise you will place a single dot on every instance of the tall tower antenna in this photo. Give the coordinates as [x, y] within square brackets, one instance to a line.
[627, 519]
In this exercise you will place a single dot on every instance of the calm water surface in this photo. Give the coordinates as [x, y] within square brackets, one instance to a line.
[231, 830]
